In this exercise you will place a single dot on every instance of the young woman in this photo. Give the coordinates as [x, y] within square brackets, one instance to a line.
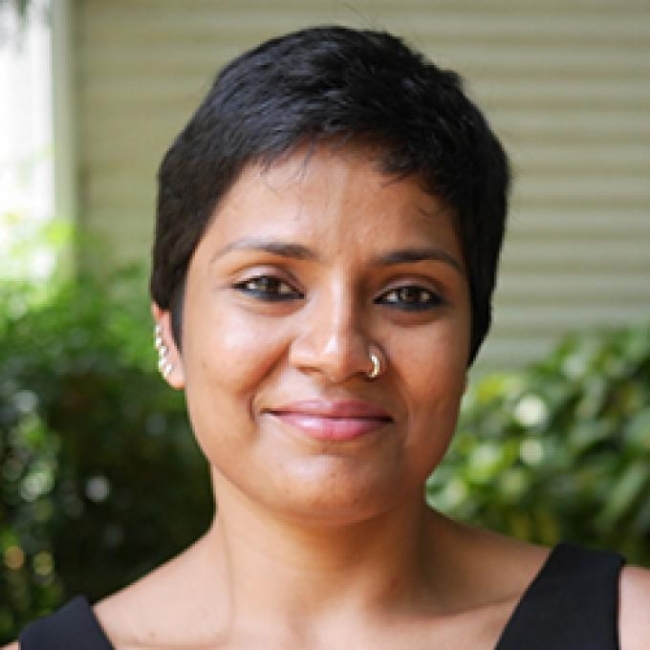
[328, 231]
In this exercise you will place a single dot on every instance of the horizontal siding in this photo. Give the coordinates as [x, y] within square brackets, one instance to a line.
[565, 83]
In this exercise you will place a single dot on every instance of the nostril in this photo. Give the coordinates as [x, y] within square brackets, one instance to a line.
[332, 336]
[336, 357]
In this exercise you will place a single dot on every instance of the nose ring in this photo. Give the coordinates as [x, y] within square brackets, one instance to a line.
[376, 366]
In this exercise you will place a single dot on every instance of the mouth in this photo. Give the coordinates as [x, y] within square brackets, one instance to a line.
[332, 420]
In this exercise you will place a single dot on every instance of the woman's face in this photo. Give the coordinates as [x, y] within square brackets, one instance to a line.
[307, 267]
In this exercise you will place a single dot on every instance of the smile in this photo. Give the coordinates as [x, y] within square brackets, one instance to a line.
[324, 420]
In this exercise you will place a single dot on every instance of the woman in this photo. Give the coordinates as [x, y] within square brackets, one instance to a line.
[328, 231]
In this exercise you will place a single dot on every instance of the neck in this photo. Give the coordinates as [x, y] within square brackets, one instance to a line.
[278, 567]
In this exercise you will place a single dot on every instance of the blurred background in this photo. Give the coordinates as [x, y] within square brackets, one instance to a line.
[99, 476]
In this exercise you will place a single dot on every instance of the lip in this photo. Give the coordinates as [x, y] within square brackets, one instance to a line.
[332, 419]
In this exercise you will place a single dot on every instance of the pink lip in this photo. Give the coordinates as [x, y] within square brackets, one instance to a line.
[332, 420]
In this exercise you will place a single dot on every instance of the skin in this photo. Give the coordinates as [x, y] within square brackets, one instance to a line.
[322, 537]
[249, 352]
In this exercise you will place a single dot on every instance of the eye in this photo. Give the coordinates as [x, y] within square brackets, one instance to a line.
[269, 288]
[411, 298]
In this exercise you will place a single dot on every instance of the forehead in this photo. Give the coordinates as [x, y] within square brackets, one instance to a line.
[329, 193]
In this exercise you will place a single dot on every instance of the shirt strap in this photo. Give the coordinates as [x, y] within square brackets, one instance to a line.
[572, 603]
[73, 627]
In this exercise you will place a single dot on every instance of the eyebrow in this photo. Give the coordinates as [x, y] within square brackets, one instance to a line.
[414, 255]
[273, 246]
[300, 252]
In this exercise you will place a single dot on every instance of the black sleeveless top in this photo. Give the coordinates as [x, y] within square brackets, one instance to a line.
[572, 604]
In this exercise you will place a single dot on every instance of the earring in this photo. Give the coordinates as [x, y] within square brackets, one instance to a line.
[164, 365]
[376, 369]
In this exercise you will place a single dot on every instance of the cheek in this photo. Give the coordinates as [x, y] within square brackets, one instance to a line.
[227, 360]
[223, 372]
[434, 416]
[434, 373]
[436, 401]
[437, 359]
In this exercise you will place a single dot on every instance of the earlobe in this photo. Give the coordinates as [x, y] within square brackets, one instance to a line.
[170, 363]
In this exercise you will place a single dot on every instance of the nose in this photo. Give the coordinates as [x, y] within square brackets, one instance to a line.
[333, 339]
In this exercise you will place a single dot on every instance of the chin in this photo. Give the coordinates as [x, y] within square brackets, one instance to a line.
[338, 495]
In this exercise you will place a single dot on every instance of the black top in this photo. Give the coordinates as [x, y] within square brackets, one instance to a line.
[73, 627]
[572, 604]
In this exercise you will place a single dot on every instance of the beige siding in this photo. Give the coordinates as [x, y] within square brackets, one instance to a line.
[565, 82]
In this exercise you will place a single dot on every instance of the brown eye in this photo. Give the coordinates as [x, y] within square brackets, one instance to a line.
[411, 298]
[269, 288]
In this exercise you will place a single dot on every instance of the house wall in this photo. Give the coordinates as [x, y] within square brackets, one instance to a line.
[566, 84]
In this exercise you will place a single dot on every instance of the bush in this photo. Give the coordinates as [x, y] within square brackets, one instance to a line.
[95, 450]
[560, 450]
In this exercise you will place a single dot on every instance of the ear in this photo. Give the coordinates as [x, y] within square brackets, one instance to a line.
[162, 317]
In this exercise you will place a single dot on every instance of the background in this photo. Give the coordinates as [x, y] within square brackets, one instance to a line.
[565, 84]
[99, 477]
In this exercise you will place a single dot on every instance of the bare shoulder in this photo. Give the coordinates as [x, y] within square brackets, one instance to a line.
[161, 608]
[489, 567]
[11, 646]
[634, 606]
[129, 616]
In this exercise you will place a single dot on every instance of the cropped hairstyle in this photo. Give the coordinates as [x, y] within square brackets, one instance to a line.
[342, 87]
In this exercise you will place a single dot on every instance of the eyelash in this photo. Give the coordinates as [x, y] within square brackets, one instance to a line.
[406, 301]
[268, 288]
[410, 297]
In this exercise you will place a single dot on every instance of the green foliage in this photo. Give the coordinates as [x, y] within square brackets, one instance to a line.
[560, 450]
[95, 450]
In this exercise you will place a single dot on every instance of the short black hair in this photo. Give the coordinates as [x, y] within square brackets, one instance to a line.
[341, 86]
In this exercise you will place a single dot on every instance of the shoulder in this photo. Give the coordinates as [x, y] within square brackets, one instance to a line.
[11, 646]
[484, 568]
[166, 604]
[634, 622]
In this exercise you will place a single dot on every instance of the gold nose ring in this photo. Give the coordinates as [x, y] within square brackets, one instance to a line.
[376, 366]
